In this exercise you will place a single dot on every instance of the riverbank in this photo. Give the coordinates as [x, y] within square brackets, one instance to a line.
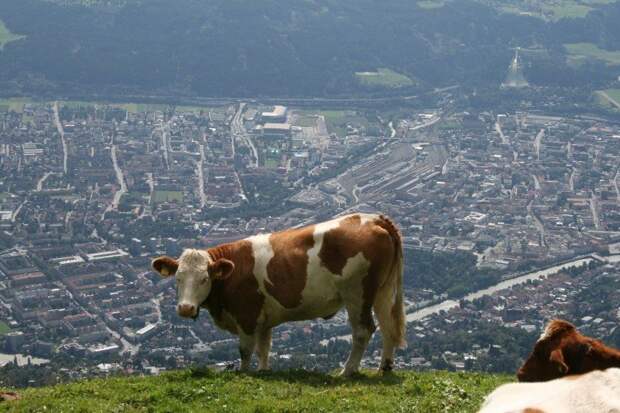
[509, 282]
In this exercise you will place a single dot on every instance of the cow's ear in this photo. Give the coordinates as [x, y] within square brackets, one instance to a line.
[557, 358]
[221, 269]
[165, 266]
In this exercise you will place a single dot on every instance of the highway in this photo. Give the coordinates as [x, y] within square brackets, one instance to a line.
[61, 132]
[538, 142]
[238, 131]
[201, 180]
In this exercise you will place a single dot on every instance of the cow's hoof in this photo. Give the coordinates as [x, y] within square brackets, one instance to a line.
[348, 373]
[387, 367]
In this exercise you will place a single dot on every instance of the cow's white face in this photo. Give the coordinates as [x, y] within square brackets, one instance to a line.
[195, 273]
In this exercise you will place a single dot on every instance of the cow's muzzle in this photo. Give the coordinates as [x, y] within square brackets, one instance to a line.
[187, 310]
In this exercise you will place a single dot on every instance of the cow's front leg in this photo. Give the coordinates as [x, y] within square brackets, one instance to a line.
[246, 348]
[263, 346]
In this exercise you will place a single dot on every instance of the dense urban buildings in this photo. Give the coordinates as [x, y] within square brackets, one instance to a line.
[91, 192]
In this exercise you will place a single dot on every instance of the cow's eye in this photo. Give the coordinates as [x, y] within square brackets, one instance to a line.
[203, 281]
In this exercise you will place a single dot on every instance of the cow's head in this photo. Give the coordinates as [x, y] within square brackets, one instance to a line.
[562, 350]
[195, 272]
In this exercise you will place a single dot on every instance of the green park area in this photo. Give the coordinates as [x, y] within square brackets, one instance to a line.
[167, 196]
[385, 78]
[580, 52]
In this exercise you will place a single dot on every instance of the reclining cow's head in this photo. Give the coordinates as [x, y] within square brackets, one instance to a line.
[195, 272]
[562, 350]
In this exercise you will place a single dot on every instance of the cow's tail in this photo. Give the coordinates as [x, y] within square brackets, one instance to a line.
[392, 290]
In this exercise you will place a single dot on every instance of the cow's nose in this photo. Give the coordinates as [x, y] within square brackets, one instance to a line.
[186, 310]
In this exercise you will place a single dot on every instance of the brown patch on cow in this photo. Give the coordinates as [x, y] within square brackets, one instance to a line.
[533, 410]
[8, 396]
[563, 351]
[374, 240]
[237, 294]
[287, 270]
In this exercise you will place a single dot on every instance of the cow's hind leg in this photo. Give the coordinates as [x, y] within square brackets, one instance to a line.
[383, 308]
[263, 346]
[362, 325]
[246, 349]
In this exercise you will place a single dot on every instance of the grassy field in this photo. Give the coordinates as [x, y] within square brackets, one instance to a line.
[614, 94]
[17, 105]
[4, 328]
[288, 391]
[6, 36]
[602, 101]
[337, 120]
[14, 104]
[584, 51]
[431, 4]
[384, 78]
[167, 196]
[549, 10]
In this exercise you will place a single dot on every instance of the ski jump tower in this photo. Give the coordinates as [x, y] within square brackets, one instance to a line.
[515, 78]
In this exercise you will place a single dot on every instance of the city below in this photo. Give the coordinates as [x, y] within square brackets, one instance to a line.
[509, 219]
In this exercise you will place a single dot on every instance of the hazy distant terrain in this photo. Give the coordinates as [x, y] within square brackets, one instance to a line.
[266, 47]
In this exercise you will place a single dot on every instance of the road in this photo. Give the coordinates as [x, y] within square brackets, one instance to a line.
[164, 129]
[594, 207]
[571, 180]
[120, 178]
[238, 131]
[201, 179]
[17, 211]
[537, 222]
[537, 185]
[538, 142]
[42, 180]
[616, 185]
[61, 132]
[498, 129]
[392, 130]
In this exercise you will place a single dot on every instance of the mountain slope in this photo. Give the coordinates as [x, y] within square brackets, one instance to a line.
[205, 390]
[292, 48]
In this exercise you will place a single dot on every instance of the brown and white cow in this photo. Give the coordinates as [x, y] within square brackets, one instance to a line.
[597, 391]
[562, 350]
[255, 284]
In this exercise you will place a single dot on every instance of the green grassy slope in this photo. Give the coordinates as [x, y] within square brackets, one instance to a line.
[291, 391]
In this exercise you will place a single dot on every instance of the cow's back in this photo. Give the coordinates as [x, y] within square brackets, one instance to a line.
[598, 391]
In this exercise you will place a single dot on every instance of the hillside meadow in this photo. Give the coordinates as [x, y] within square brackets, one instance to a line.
[291, 391]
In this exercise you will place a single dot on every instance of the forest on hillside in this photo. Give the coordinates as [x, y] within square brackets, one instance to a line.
[302, 48]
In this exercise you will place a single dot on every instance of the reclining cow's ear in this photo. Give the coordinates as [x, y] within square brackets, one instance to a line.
[556, 357]
[221, 269]
[165, 266]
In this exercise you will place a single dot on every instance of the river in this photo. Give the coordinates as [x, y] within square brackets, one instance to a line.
[534, 275]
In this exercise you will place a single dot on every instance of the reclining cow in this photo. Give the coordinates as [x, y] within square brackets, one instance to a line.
[562, 350]
[597, 391]
[255, 284]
